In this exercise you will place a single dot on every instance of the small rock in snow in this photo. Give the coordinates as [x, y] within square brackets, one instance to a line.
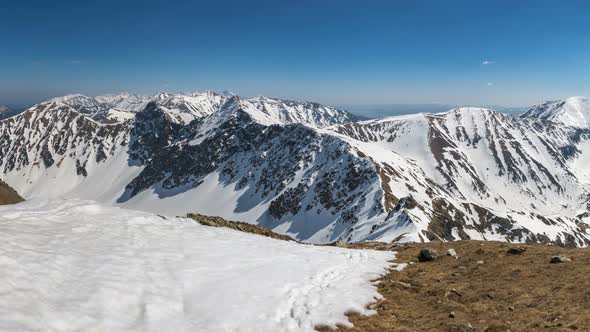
[480, 262]
[452, 314]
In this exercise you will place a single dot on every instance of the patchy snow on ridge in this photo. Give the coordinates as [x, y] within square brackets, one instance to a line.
[70, 265]
[573, 112]
[309, 170]
[277, 111]
[81, 103]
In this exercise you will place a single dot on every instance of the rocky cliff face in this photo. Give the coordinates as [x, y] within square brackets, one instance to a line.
[522, 175]
[308, 170]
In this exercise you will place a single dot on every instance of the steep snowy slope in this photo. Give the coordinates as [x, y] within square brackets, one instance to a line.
[76, 265]
[196, 104]
[277, 111]
[288, 177]
[573, 112]
[519, 171]
[52, 149]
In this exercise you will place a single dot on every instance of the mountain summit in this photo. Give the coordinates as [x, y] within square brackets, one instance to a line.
[574, 112]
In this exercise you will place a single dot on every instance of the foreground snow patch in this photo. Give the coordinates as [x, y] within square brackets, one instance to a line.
[76, 265]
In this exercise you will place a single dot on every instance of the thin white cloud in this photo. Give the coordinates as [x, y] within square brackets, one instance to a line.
[74, 62]
[490, 84]
[488, 62]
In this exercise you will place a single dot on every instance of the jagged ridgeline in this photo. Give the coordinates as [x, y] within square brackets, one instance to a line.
[310, 171]
[8, 195]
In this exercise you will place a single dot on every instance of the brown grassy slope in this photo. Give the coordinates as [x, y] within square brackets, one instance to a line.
[254, 229]
[237, 225]
[505, 293]
[8, 195]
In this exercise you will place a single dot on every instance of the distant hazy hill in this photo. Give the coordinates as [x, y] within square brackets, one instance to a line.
[6, 112]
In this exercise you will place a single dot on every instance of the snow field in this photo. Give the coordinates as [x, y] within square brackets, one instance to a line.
[70, 265]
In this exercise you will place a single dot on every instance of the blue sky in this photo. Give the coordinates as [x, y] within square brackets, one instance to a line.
[335, 52]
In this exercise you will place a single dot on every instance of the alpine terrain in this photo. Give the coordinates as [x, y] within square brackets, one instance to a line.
[310, 171]
[8, 195]
[74, 265]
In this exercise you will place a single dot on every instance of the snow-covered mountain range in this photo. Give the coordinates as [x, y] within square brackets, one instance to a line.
[313, 171]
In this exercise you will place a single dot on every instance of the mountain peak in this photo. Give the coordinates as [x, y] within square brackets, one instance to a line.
[81, 103]
[268, 110]
[572, 112]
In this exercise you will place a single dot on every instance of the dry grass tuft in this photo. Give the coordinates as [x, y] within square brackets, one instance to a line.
[8, 195]
[237, 225]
